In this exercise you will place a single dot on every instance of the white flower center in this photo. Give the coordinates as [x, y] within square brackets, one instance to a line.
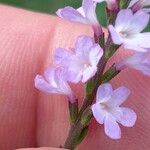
[124, 34]
[105, 107]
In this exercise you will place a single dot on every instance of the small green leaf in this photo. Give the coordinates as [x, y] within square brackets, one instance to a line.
[73, 109]
[82, 135]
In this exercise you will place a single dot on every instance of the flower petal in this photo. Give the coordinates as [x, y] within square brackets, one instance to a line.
[104, 93]
[42, 85]
[118, 96]
[83, 44]
[71, 14]
[123, 19]
[143, 40]
[73, 75]
[144, 68]
[139, 42]
[138, 61]
[88, 73]
[127, 117]
[62, 56]
[89, 8]
[146, 10]
[98, 113]
[81, 11]
[111, 127]
[95, 54]
[132, 3]
[114, 35]
[139, 21]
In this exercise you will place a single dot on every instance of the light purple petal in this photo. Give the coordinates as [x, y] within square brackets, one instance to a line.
[146, 10]
[42, 85]
[98, 113]
[123, 18]
[71, 14]
[144, 68]
[114, 35]
[127, 117]
[88, 73]
[136, 58]
[118, 96]
[81, 11]
[50, 76]
[89, 8]
[104, 93]
[140, 42]
[53, 81]
[146, 2]
[74, 75]
[86, 4]
[134, 46]
[143, 40]
[139, 21]
[132, 3]
[62, 56]
[95, 54]
[112, 128]
[138, 61]
[83, 44]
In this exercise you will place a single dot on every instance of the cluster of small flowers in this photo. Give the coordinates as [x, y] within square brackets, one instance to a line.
[80, 63]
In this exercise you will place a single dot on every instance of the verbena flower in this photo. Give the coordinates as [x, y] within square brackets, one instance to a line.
[54, 81]
[107, 110]
[80, 62]
[128, 28]
[85, 14]
[138, 61]
[111, 4]
[139, 3]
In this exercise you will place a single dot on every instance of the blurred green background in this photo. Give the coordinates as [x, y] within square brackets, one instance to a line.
[50, 6]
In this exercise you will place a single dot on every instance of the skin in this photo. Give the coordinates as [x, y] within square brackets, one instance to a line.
[29, 118]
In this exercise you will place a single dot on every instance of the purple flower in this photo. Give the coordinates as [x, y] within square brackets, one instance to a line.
[80, 62]
[140, 3]
[54, 81]
[136, 5]
[85, 14]
[107, 110]
[128, 28]
[138, 61]
[111, 4]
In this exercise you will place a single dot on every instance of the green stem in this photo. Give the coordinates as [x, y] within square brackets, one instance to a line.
[110, 74]
[79, 130]
[73, 110]
[123, 4]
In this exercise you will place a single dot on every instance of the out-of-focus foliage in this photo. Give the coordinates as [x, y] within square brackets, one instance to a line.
[48, 6]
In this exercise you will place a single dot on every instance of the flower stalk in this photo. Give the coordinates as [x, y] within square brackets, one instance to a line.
[88, 61]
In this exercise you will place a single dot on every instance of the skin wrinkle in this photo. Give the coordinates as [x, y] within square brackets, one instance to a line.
[19, 99]
[30, 40]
